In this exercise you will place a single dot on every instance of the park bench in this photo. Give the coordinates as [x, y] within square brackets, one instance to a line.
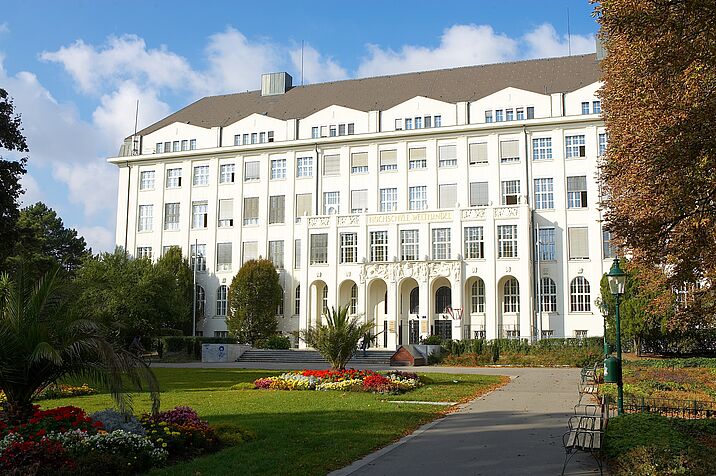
[589, 373]
[586, 432]
[588, 384]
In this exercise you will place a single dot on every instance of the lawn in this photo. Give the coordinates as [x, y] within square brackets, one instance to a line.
[300, 432]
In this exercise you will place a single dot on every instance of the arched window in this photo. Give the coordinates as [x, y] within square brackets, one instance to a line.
[579, 295]
[354, 300]
[279, 308]
[221, 300]
[477, 296]
[511, 296]
[324, 301]
[443, 299]
[200, 302]
[297, 301]
[548, 291]
[415, 300]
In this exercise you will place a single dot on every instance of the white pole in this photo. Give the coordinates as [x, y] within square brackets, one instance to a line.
[193, 312]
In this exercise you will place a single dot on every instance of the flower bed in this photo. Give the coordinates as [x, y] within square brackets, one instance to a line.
[59, 391]
[349, 380]
[66, 439]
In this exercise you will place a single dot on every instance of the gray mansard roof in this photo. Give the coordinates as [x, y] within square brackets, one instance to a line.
[468, 83]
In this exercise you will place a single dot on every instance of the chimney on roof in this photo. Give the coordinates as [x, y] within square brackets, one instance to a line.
[275, 83]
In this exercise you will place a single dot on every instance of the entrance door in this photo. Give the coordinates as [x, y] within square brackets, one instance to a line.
[414, 331]
[443, 328]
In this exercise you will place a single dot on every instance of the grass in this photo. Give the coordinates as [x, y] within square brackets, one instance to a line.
[298, 433]
[643, 379]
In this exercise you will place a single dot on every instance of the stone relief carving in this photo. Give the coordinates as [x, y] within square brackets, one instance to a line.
[420, 271]
[507, 212]
[319, 222]
[473, 214]
[347, 220]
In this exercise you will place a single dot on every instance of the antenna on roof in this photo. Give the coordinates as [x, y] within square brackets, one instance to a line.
[301, 62]
[135, 142]
[569, 36]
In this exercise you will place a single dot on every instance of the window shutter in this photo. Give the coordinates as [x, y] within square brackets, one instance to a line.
[226, 209]
[448, 152]
[448, 196]
[251, 170]
[359, 159]
[331, 164]
[276, 208]
[479, 194]
[577, 184]
[359, 199]
[478, 153]
[223, 253]
[509, 149]
[388, 158]
[417, 154]
[578, 243]
[251, 207]
[250, 250]
[304, 204]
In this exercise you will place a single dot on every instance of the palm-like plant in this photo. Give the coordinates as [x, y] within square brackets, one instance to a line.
[337, 340]
[43, 339]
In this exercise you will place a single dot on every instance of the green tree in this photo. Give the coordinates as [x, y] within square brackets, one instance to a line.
[173, 264]
[338, 338]
[11, 139]
[254, 295]
[44, 339]
[45, 242]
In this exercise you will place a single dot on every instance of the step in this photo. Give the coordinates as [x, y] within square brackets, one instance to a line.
[310, 356]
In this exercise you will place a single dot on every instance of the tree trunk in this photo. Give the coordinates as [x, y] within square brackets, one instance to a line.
[19, 411]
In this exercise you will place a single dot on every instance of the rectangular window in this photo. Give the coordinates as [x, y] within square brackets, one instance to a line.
[275, 253]
[546, 248]
[520, 113]
[297, 301]
[331, 203]
[277, 208]
[332, 131]
[304, 205]
[530, 112]
[510, 192]
[198, 257]
[146, 180]
[349, 248]
[596, 107]
[577, 192]
[245, 139]
[237, 139]
[585, 107]
[479, 196]
[223, 256]
[507, 241]
[341, 129]
[408, 124]
[418, 198]
[324, 131]
[607, 248]
[167, 147]
[159, 148]
[602, 144]
[226, 212]
[418, 122]
[251, 170]
[250, 251]
[542, 148]
[438, 121]
[388, 199]
[304, 167]
[227, 173]
[359, 201]
[144, 252]
[254, 138]
[447, 156]
[544, 193]
[319, 248]
[359, 163]
[297, 253]
[379, 246]
[251, 210]
[199, 214]
[262, 137]
[447, 195]
[184, 145]
[315, 134]
[474, 242]
[409, 245]
[578, 243]
[488, 116]
[428, 122]
[278, 169]
[478, 153]
[331, 164]
[351, 128]
[441, 243]
[574, 146]
[171, 216]
[175, 146]
[416, 158]
[388, 160]
[510, 115]
[201, 175]
[398, 124]
[509, 151]
[145, 217]
[499, 115]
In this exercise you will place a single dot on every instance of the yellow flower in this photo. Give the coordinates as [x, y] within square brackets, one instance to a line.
[164, 445]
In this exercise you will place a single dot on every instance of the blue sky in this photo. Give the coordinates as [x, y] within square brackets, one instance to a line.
[76, 68]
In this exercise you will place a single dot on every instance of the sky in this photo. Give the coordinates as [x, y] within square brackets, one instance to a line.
[75, 69]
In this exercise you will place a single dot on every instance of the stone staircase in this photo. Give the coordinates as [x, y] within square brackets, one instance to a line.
[298, 357]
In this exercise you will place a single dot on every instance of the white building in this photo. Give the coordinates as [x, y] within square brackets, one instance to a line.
[402, 196]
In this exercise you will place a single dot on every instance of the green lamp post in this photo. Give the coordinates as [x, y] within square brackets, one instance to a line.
[617, 284]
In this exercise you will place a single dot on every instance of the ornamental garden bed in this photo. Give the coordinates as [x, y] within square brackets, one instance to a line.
[350, 380]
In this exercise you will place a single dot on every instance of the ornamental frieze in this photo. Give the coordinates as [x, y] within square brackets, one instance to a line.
[420, 271]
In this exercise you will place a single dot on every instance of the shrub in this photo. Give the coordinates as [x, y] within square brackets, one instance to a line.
[180, 431]
[29, 457]
[232, 435]
[243, 386]
[56, 420]
[113, 420]
[274, 342]
[432, 340]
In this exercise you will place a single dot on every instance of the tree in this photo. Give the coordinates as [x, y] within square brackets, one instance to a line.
[659, 106]
[254, 295]
[173, 264]
[45, 339]
[45, 242]
[11, 139]
[337, 340]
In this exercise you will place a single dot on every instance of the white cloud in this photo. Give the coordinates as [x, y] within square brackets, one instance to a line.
[92, 185]
[316, 68]
[4, 28]
[544, 42]
[32, 193]
[460, 45]
[98, 238]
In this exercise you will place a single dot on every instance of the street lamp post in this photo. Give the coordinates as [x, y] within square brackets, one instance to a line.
[617, 284]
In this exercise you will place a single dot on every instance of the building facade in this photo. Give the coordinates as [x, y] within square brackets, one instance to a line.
[461, 202]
